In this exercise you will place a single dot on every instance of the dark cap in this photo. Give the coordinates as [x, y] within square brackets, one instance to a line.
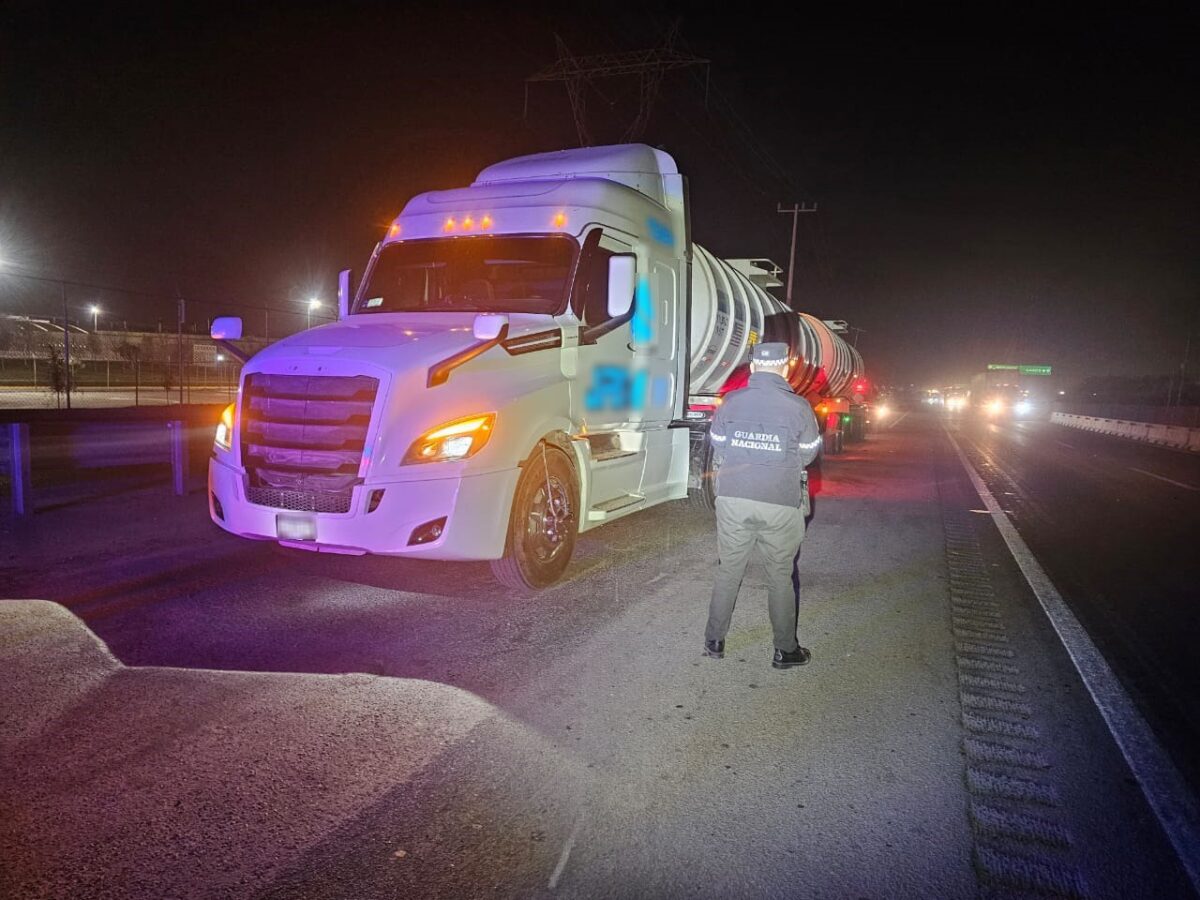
[770, 354]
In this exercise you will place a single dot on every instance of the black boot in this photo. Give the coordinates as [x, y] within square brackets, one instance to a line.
[797, 657]
[715, 649]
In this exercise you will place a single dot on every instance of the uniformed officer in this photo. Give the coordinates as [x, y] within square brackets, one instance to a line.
[763, 436]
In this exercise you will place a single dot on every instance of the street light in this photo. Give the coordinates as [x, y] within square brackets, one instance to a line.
[313, 303]
[95, 317]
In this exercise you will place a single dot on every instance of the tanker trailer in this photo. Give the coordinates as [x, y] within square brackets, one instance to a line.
[731, 311]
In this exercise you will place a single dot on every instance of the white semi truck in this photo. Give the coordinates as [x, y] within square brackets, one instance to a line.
[524, 359]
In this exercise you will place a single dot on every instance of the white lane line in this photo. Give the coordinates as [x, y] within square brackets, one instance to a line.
[659, 577]
[1065, 444]
[1165, 789]
[895, 422]
[562, 857]
[1165, 478]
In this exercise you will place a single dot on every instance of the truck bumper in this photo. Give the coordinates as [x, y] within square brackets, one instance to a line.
[476, 511]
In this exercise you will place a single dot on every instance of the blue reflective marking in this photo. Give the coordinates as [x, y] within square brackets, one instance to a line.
[660, 232]
[638, 391]
[642, 326]
[609, 388]
[660, 391]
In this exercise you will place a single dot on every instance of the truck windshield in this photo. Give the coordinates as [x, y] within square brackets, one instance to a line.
[471, 274]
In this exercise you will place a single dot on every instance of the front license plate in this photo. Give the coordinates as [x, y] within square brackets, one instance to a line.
[296, 528]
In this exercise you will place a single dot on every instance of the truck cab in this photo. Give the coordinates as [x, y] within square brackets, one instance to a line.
[512, 370]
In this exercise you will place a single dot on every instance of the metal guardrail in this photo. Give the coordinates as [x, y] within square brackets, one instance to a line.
[1176, 436]
[98, 445]
[15, 464]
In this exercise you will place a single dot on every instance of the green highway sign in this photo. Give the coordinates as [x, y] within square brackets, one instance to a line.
[1020, 370]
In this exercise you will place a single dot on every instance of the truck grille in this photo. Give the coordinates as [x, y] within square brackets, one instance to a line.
[301, 501]
[302, 439]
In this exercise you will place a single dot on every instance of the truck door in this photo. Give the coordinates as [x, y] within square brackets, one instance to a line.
[601, 393]
[660, 344]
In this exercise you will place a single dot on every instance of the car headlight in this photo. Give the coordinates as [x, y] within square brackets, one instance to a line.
[458, 439]
[224, 438]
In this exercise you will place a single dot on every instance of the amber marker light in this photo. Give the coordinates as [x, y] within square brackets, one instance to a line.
[449, 225]
[485, 223]
[394, 231]
[560, 220]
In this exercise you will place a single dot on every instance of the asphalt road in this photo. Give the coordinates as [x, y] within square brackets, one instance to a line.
[198, 716]
[1116, 524]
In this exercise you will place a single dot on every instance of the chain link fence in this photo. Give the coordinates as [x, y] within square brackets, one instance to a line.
[111, 368]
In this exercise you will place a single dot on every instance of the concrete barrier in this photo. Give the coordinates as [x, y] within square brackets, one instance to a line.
[1175, 436]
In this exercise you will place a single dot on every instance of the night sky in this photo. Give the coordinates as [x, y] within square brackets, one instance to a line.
[1019, 188]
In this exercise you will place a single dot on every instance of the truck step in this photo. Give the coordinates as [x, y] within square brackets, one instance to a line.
[601, 511]
[608, 455]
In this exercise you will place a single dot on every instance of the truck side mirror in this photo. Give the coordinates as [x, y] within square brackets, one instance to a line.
[487, 326]
[344, 293]
[622, 281]
[226, 328]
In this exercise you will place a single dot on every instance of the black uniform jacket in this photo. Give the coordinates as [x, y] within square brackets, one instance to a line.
[763, 436]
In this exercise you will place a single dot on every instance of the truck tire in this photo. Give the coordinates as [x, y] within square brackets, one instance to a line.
[705, 496]
[543, 523]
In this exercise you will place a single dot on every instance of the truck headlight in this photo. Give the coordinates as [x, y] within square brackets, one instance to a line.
[224, 438]
[458, 439]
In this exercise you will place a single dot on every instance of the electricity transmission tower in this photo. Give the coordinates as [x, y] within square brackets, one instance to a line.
[579, 73]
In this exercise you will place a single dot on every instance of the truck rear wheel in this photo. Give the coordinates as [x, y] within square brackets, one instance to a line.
[705, 496]
[543, 524]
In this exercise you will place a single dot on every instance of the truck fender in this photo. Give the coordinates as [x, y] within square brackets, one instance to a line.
[557, 439]
[576, 452]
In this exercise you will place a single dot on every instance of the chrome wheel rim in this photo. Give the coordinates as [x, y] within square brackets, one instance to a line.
[547, 526]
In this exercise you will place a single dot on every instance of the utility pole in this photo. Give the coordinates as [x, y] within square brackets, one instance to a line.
[66, 341]
[1183, 363]
[795, 210]
[179, 333]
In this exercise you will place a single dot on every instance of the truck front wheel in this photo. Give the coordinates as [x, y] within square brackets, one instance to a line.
[543, 523]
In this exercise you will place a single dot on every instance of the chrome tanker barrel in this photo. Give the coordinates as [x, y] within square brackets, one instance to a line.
[730, 313]
[840, 364]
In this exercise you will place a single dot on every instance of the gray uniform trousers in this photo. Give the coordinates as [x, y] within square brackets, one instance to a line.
[777, 531]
